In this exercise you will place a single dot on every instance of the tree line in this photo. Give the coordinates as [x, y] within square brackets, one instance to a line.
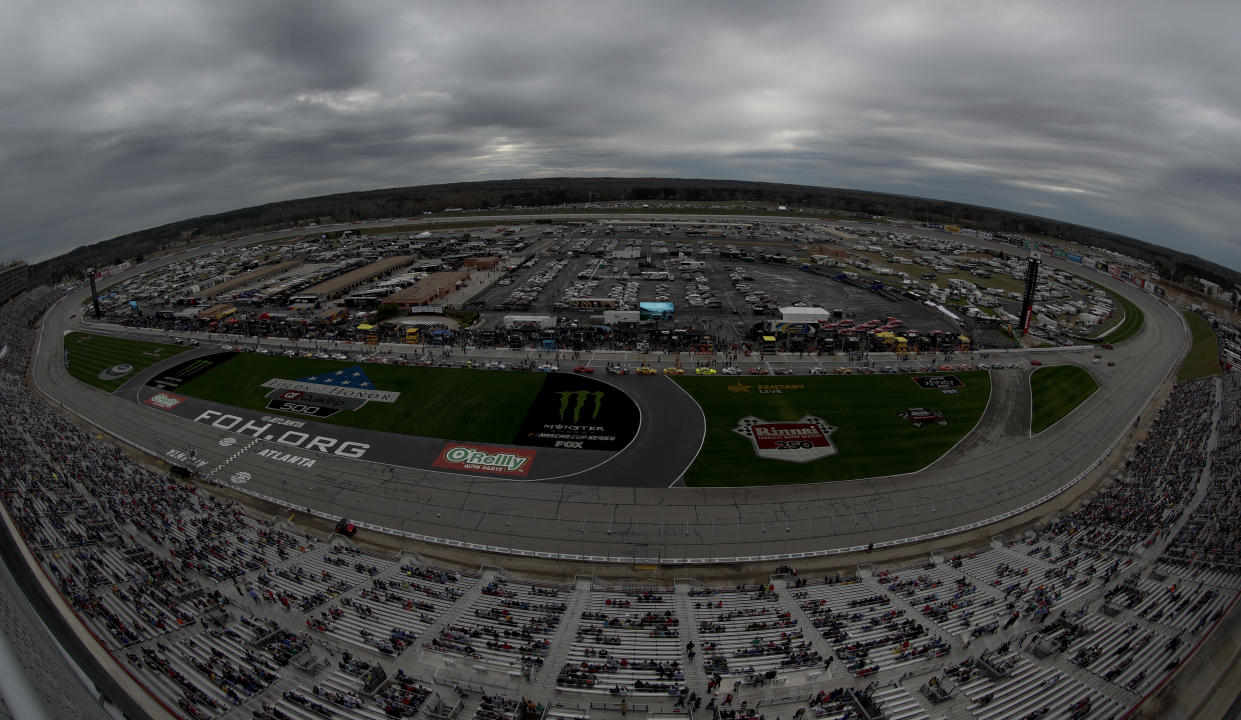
[544, 192]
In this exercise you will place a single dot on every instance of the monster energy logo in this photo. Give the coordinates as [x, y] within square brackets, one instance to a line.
[194, 367]
[582, 396]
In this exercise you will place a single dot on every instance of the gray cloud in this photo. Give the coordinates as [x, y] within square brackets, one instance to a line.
[119, 116]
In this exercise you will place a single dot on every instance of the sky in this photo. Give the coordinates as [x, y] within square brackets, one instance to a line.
[123, 115]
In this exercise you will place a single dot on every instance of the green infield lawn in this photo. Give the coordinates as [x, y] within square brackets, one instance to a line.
[1056, 391]
[1203, 358]
[872, 438]
[88, 355]
[457, 404]
[1127, 326]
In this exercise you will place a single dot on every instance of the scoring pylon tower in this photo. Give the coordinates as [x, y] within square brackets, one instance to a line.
[1027, 305]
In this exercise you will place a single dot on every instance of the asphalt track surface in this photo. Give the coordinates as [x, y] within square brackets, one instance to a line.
[623, 512]
[671, 425]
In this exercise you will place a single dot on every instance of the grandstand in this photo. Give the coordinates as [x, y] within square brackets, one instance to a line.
[218, 610]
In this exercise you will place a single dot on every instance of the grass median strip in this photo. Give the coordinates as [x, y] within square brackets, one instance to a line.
[89, 356]
[1056, 391]
[458, 404]
[871, 436]
[1203, 358]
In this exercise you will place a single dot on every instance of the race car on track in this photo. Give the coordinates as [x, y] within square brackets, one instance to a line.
[673, 371]
[495, 365]
[783, 371]
[704, 371]
[548, 367]
[646, 370]
[759, 371]
[731, 370]
[816, 370]
[617, 370]
[1036, 362]
[583, 369]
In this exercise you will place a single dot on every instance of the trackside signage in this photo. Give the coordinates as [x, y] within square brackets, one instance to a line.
[485, 459]
[804, 440]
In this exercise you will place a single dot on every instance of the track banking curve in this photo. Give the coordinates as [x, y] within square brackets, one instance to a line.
[611, 515]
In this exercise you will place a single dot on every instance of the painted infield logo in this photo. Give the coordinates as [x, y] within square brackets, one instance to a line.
[582, 396]
[938, 382]
[164, 400]
[578, 413]
[116, 372]
[801, 441]
[326, 394]
[485, 459]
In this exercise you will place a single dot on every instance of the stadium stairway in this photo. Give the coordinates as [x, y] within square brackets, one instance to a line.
[695, 677]
[562, 640]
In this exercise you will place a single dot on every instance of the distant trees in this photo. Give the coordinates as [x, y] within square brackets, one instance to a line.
[413, 201]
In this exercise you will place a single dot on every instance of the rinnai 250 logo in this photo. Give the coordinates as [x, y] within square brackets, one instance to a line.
[482, 458]
[802, 441]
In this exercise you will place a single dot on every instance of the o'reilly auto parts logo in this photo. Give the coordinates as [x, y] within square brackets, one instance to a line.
[164, 400]
[803, 440]
[485, 459]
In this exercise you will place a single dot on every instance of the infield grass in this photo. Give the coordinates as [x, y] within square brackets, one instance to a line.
[88, 355]
[871, 438]
[456, 404]
[1055, 392]
[1128, 325]
[1203, 358]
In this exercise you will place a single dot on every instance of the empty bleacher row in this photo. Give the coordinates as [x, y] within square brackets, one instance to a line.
[947, 596]
[1025, 690]
[212, 670]
[866, 629]
[392, 614]
[508, 625]
[747, 632]
[626, 643]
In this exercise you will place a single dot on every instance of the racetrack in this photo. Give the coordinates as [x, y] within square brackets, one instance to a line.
[623, 510]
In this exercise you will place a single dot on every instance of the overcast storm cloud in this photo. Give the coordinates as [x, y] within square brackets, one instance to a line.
[119, 116]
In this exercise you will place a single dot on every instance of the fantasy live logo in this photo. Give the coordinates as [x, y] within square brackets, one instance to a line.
[804, 440]
[485, 459]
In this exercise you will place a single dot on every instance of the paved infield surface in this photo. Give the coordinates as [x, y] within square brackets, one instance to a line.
[672, 426]
[625, 509]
